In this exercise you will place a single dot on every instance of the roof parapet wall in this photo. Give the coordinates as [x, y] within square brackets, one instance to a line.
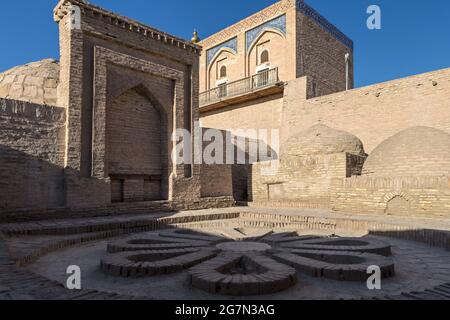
[324, 23]
[254, 20]
[271, 12]
[63, 8]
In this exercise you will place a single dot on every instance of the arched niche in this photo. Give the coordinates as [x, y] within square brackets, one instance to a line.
[137, 147]
[225, 57]
[273, 42]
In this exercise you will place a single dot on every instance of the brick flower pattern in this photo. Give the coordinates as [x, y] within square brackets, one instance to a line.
[254, 265]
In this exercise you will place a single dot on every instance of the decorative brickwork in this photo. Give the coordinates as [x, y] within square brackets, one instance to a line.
[123, 100]
[230, 44]
[64, 8]
[298, 41]
[331, 264]
[246, 267]
[103, 58]
[277, 24]
[264, 15]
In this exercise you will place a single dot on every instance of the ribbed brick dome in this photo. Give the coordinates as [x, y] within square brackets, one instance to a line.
[321, 139]
[34, 82]
[417, 151]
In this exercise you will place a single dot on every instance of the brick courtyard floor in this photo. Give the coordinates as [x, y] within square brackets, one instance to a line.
[27, 247]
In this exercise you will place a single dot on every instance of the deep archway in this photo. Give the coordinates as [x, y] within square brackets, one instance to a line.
[137, 147]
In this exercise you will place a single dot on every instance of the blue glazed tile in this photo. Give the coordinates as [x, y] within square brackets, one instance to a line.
[277, 24]
[230, 44]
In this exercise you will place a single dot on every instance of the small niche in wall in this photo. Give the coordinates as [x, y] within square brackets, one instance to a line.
[398, 206]
[152, 188]
[136, 188]
[117, 186]
[275, 191]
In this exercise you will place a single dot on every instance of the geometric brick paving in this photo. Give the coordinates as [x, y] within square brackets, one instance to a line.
[234, 274]
[19, 283]
[244, 268]
[336, 265]
[153, 262]
[342, 244]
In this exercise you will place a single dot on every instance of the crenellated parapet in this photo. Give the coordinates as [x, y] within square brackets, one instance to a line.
[64, 7]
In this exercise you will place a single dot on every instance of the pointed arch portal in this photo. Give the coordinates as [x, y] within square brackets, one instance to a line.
[135, 138]
[132, 129]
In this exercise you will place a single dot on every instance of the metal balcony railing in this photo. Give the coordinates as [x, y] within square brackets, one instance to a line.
[240, 87]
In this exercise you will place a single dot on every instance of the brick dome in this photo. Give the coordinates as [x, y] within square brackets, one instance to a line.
[417, 151]
[33, 82]
[321, 139]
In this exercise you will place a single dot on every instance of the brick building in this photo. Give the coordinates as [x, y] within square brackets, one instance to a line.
[246, 66]
[103, 138]
[93, 132]
[287, 68]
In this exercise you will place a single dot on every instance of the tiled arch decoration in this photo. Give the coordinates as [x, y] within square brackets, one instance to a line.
[105, 57]
[278, 24]
[230, 45]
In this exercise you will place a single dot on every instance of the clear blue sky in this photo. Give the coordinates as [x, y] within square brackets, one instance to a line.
[415, 37]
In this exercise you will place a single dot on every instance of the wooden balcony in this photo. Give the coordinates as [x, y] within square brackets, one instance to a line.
[260, 85]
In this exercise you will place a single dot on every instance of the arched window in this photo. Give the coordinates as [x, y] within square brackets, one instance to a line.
[264, 57]
[223, 72]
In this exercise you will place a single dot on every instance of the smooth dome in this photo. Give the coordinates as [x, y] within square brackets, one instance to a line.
[418, 151]
[321, 139]
[35, 82]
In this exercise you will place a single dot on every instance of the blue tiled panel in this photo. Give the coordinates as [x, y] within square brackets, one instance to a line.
[230, 44]
[324, 23]
[277, 24]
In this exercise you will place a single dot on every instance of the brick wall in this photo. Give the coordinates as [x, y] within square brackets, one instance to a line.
[217, 181]
[304, 179]
[322, 58]
[307, 49]
[241, 178]
[31, 155]
[138, 126]
[263, 113]
[311, 46]
[428, 196]
[372, 113]
[242, 63]
[134, 136]
[229, 178]
[108, 56]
